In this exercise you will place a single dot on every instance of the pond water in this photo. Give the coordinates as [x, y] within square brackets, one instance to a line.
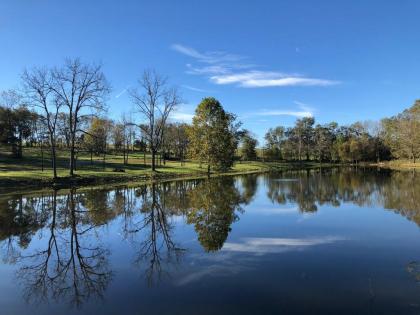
[307, 242]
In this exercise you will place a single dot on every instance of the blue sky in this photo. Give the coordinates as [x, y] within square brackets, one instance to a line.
[269, 62]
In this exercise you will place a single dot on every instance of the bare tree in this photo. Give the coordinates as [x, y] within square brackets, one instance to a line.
[80, 87]
[155, 101]
[70, 268]
[37, 86]
[41, 136]
[63, 130]
[10, 99]
[129, 135]
[157, 247]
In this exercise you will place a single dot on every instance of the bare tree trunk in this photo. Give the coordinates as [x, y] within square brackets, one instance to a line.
[42, 158]
[72, 156]
[19, 154]
[126, 153]
[123, 155]
[307, 152]
[54, 158]
[300, 151]
[153, 160]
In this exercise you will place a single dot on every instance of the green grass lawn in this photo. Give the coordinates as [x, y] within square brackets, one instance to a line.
[29, 168]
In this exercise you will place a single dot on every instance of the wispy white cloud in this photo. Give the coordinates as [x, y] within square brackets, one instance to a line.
[257, 79]
[303, 110]
[208, 70]
[122, 92]
[210, 57]
[184, 113]
[301, 104]
[224, 68]
[188, 51]
[182, 117]
[294, 113]
[191, 88]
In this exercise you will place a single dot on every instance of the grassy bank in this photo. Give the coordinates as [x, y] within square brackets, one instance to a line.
[27, 172]
[398, 165]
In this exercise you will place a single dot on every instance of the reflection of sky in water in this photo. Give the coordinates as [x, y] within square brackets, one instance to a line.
[276, 254]
[261, 246]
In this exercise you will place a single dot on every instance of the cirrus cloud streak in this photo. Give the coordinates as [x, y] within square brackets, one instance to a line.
[258, 79]
[223, 69]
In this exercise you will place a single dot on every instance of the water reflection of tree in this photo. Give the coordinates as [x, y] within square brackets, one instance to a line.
[402, 194]
[73, 266]
[398, 191]
[310, 189]
[210, 205]
[156, 247]
[248, 187]
[213, 208]
[20, 218]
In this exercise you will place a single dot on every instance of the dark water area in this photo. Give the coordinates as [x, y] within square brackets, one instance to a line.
[305, 242]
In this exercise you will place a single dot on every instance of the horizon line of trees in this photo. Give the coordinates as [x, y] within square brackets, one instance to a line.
[65, 106]
[395, 137]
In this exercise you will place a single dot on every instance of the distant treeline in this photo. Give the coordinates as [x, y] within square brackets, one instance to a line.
[395, 137]
[66, 107]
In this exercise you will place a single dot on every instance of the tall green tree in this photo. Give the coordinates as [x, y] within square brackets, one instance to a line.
[274, 139]
[176, 141]
[16, 121]
[248, 146]
[304, 132]
[323, 142]
[213, 136]
[402, 133]
[97, 135]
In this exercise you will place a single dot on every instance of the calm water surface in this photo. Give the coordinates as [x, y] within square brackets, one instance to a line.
[308, 242]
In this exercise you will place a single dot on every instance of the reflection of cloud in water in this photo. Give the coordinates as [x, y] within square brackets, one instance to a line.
[277, 245]
[222, 270]
[274, 210]
[231, 259]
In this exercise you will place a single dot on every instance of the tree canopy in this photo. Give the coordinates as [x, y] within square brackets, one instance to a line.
[213, 136]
